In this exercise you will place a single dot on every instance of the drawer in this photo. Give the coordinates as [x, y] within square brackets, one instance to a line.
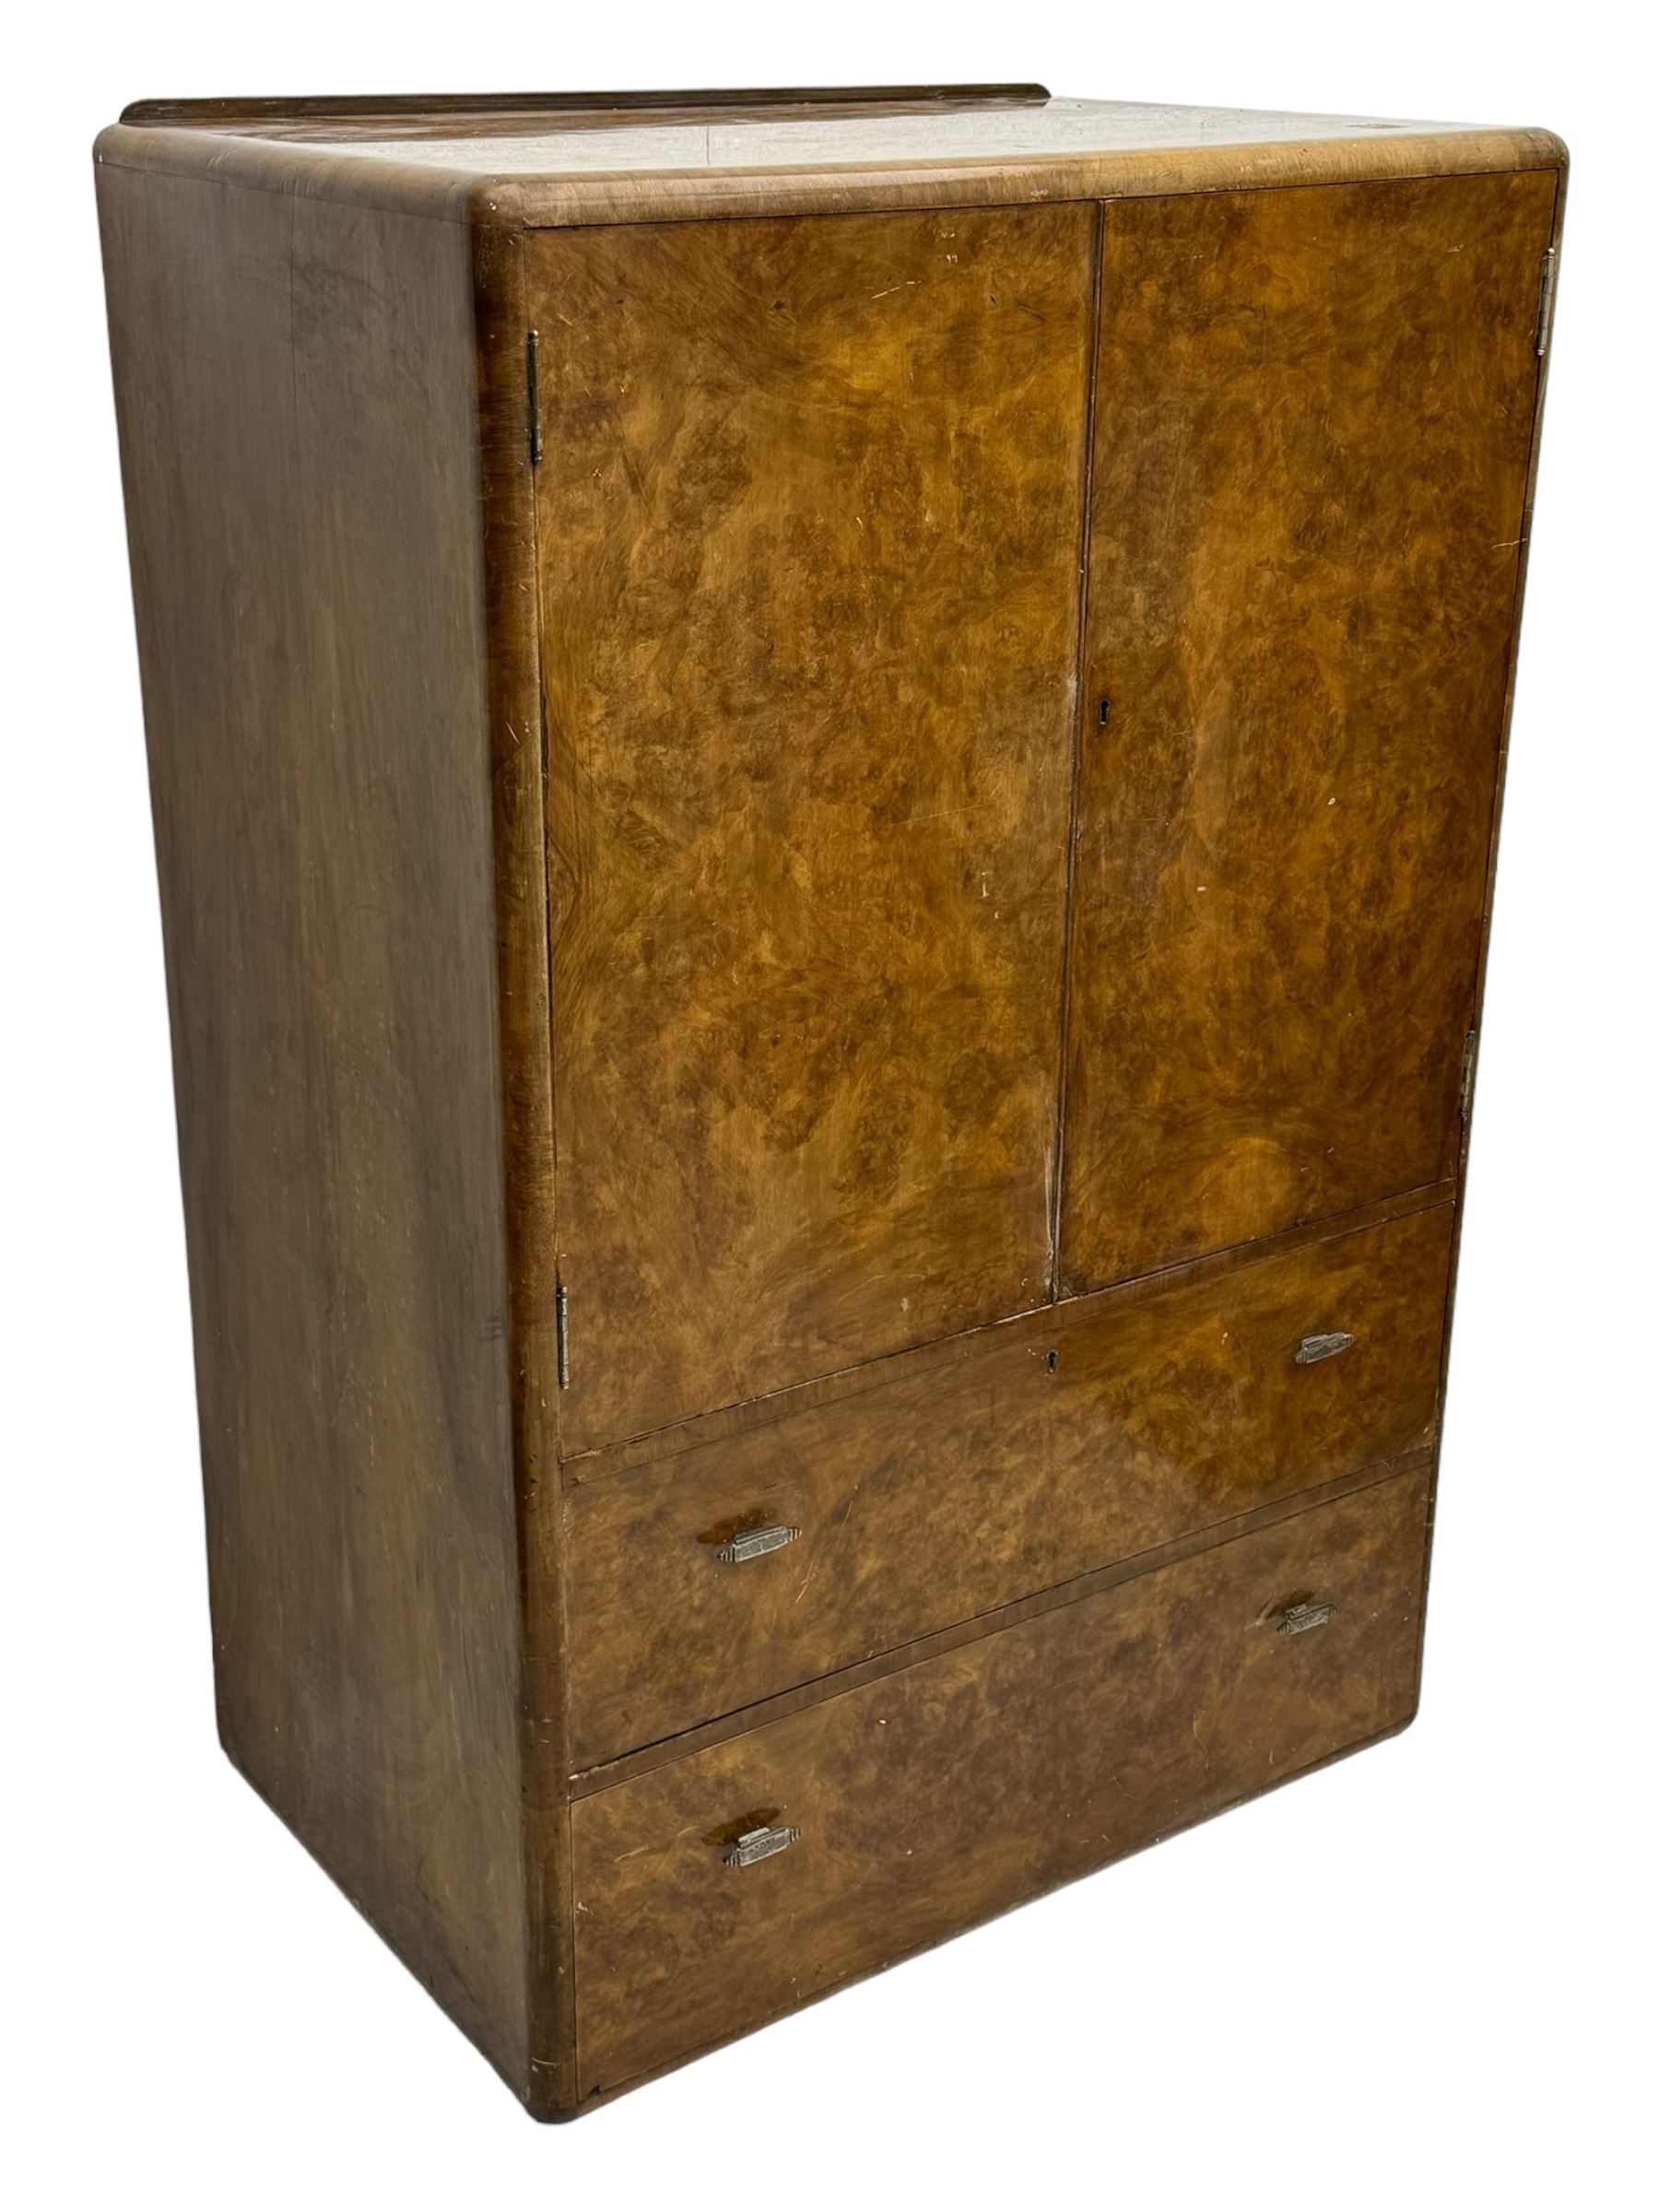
[1064, 1443]
[963, 1784]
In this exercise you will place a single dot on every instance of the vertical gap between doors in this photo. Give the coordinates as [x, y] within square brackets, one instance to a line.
[1056, 1179]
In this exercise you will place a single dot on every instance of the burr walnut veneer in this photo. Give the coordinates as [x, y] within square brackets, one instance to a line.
[825, 771]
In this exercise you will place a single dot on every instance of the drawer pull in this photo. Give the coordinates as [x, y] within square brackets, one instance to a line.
[753, 1543]
[760, 1843]
[1321, 1348]
[1295, 1620]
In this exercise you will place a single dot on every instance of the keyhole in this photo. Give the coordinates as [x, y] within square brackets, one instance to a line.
[1052, 1362]
[1105, 713]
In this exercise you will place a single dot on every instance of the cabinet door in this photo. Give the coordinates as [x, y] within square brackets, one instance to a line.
[810, 517]
[1313, 425]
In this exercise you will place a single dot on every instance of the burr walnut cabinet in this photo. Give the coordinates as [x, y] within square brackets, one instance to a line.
[825, 768]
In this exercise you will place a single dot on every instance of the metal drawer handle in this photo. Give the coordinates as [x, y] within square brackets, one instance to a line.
[1295, 1620]
[1321, 1348]
[760, 1843]
[755, 1543]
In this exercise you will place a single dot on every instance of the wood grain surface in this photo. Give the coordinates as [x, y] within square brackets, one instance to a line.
[810, 515]
[306, 553]
[964, 1785]
[541, 161]
[940, 1497]
[1312, 445]
[512, 681]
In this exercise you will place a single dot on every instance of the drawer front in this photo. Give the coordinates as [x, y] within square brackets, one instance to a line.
[924, 1501]
[957, 1787]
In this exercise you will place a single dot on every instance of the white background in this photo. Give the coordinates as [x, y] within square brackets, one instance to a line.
[1425, 1976]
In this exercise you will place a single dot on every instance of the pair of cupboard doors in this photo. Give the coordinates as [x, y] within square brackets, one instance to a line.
[1025, 691]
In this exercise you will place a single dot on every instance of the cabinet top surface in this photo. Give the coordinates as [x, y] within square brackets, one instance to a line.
[568, 156]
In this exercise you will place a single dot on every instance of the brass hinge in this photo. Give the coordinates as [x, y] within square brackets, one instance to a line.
[532, 395]
[1466, 1087]
[561, 1330]
[1546, 292]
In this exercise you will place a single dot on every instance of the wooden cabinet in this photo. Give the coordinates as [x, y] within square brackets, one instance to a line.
[825, 771]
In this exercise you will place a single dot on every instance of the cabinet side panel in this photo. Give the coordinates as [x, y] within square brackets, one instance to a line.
[297, 395]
